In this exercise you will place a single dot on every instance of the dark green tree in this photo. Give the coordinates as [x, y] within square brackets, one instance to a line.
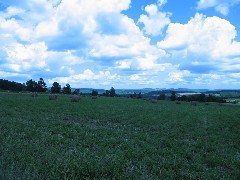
[173, 96]
[202, 98]
[139, 96]
[32, 86]
[161, 97]
[56, 88]
[94, 92]
[11, 85]
[41, 87]
[107, 93]
[184, 98]
[67, 89]
[112, 92]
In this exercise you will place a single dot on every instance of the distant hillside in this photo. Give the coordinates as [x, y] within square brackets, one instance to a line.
[230, 93]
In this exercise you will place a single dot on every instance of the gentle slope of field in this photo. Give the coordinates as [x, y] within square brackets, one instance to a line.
[116, 138]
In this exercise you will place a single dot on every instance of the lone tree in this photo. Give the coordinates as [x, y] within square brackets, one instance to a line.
[112, 92]
[173, 96]
[41, 86]
[67, 89]
[56, 88]
[94, 92]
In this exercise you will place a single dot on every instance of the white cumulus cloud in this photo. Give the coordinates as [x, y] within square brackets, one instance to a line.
[24, 57]
[178, 76]
[161, 2]
[92, 78]
[154, 21]
[89, 42]
[210, 36]
[221, 6]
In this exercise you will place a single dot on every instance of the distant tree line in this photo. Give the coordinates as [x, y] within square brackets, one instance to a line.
[40, 86]
[199, 97]
[30, 85]
[11, 85]
[202, 98]
[136, 95]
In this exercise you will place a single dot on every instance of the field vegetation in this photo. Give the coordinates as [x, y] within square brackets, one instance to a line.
[233, 100]
[116, 138]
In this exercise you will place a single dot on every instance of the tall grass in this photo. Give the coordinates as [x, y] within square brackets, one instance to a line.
[116, 138]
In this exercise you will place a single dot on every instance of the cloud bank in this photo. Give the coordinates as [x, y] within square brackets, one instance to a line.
[221, 6]
[94, 44]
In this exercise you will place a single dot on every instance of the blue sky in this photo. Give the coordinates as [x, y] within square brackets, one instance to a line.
[122, 43]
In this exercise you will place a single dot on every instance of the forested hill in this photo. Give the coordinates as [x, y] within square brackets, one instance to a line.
[11, 85]
[30, 85]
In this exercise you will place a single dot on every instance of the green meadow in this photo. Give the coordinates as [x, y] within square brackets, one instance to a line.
[116, 138]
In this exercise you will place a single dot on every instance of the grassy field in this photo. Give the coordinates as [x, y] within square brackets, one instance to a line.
[116, 138]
